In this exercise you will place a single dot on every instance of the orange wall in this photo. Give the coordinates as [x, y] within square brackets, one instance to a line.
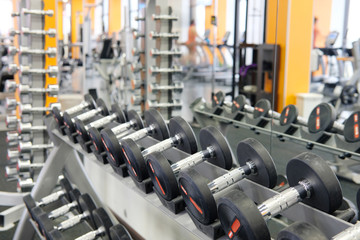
[322, 10]
[221, 20]
[114, 16]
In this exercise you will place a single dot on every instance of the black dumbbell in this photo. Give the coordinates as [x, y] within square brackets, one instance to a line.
[290, 115]
[134, 122]
[263, 109]
[323, 118]
[306, 231]
[86, 116]
[156, 128]
[218, 99]
[82, 129]
[86, 207]
[30, 202]
[256, 164]
[164, 176]
[102, 222]
[240, 104]
[351, 128]
[311, 181]
[87, 103]
[182, 137]
[119, 232]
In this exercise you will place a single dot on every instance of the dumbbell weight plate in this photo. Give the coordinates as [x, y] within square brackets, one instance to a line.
[218, 99]
[120, 114]
[87, 204]
[153, 117]
[238, 103]
[177, 125]
[301, 231]
[251, 149]
[131, 151]
[119, 232]
[247, 223]
[102, 219]
[90, 100]
[351, 128]
[326, 195]
[261, 109]
[101, 104]
[57, 115]
[289, 115]
[321, 118]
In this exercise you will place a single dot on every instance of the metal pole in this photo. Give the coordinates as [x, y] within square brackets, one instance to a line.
[214, 47]
[235, 55]
[345, 30]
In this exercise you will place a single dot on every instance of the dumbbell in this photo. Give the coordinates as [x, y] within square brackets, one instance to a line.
[239, 104]
[164, 176]
[51, 32]
[50, 52]
[290, 115]
[51, 71]
[52, 90]
[11, 104]
[11, 121]
[155, 35]
[156, 52]
[30, 202]
[351, 128]
[304, 230]
[24, 185]
[29, 147]
[102, 227]
[119, 232]
[176, 87]
[12, 138]
[12, 154]
[175, 104]
[181, 136]
[199, 194]
[86, 206]
[156, 128]
[311, 181]
[137, 52]
[49, 13]
[27, 128]
[157, 70]
[164, 17]
[322, 118]
[29, 109]
[27, 165]
[263, 109]
[69, 121]
[83, 130]
[137, 67]
[87, 103]
[11, 173]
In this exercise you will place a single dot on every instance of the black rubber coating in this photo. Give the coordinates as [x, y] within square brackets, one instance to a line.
[197, 196]
[239, 103]
[252, 150]
[218, 99]
[326, 194]
[301, 231]
[101, 104]
[58, 117]
[102, 219]
[289, 115]
[87, 204]
[74, 195]
[262, 108]
[90, 101]
[162, 176]
[177, 125]
[153, 117]
[68, 122]
[81, 130]
[66, 186]
[321, 118]
[112, 146]
[211, 137]
[120, 115]
[134, 116]
[119, 232]
[95, 138]
[358, 201]
[351, 128]
[29, 202]
[55, 235]
[134, 159]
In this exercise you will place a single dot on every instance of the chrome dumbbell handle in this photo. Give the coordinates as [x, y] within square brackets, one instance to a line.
[25, 184]
[155, 35]
[93, 234]
[101, 122]
[164, 17]
[352, 233]
[87, 115]
[52, 71]
[27, 127]
[11, 121]
[154, 87]
[154, 104]
[10, 171]
[49, 13]
[52, 89]
[274, 114]
[28, 146]
[23, 166]
[123, 127]
[50, 32]
[155, 52]
[72, 221]
[162, 146]
[28, 108]
[135, 136]
[156, 70]
[10, 104]
[10, 86]
[50, 198]
[77, 108]
[51, 52]
[62, 210]
[12, 154]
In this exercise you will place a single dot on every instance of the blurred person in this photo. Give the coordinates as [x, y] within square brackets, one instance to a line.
[191, 43]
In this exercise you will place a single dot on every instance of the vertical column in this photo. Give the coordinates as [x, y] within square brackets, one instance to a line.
[76, 21]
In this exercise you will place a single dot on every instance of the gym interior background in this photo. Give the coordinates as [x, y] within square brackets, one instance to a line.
[164, 119]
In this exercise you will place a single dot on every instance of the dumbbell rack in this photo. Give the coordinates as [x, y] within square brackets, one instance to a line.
[144, 213]
[339, 154]
[33, 15]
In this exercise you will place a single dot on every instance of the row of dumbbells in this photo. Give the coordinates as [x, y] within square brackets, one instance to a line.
[311, 180]
[67, 208]
[321, 119]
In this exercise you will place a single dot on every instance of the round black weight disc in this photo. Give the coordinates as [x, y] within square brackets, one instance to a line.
[90, 100]
[113, 148]
[55, 235]
[80, 129]
[251, 150]
[134, 159]
[58, 117]
[102, 219]
[68, 123]
[289, 115]
[29, 202]
[301, 231]
[326, 195]
[177, 125]
[321, 118]
[153, 117]
[134, 116]
[351, 128]
[45, 224]
[240, 217]
[349, 95]
[101, 104]
[119, 232]
[95, 138]
[86, 204]
[74, 195]
[261, 109]
[120, 115]
[162, 176]
[197, 196]
[238, 103]
[66, 187]
[212, 137]
[218, 99]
